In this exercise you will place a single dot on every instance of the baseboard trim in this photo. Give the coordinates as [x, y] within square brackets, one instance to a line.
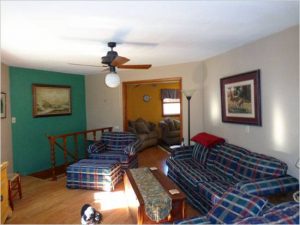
[46, 174]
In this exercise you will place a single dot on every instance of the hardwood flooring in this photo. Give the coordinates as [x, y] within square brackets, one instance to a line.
[50, 202]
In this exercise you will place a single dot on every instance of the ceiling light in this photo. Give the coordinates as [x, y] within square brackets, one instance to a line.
[112, 80]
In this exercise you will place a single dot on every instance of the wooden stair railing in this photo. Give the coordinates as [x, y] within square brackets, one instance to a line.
[53, 141]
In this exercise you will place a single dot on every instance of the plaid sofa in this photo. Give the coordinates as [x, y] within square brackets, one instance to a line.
[120, 146]
[239, 207]
[205, 174]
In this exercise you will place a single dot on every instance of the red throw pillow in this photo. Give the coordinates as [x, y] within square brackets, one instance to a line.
[208, 140]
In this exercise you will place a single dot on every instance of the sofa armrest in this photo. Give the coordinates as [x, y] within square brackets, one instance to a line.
[132, 130]
[133, 147]
[269, 186]
[182, 153]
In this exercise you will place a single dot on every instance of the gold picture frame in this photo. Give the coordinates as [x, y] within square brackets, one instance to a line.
[51, 100]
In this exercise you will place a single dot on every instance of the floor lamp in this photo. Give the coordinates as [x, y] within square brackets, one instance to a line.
[188, 94]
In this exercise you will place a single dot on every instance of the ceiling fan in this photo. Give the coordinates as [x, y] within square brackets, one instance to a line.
[113, 61]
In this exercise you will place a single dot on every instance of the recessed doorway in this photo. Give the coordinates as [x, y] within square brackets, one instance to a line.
[144, 99]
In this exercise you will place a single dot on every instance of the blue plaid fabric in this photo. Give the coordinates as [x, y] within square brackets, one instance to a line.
[194, 220]
[227, 160]
[255, 166]
[200, 153]
[213, 191]
[234, 205]
[96, 147]
[117, 141]
[182, 153]
[284, 213]
[194, 176]
[269, 186]
[94, 174]
[125, 161]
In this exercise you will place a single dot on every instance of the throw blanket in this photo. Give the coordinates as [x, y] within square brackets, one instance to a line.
[158, 204]
[208, 140]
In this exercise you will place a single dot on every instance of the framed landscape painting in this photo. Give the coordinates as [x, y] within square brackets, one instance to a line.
[51, 100]
[240, 98]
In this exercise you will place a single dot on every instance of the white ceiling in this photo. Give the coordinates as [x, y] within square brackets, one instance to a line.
[50, 34]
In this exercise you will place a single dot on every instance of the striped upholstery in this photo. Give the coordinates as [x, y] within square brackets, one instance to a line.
[96, 147]
[120, 146]
[213, 191]
[269, 186]
[205, 174]
[194, 176]
[255, 166]
[200, 153]
[234, 205]
[227, 159]
[117, 141]
[194, 220]
[94, 174]
[182, 153]
[284, 213]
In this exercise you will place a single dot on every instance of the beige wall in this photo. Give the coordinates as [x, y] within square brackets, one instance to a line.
[104, 105]
[6, 140]
[277, 57]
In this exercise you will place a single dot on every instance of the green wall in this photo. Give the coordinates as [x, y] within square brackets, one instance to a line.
[31, 151]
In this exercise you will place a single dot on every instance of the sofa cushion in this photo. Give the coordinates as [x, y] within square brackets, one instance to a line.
[117, 141]
[227, 160]
[234, 205]
[200, 153]
[181, 165]
[111, 155]
[170, 123]
[255, 166]
[141, 127]
[177, 124]
[194, 176]
[284, 213]
[208, 140]
[213, 191]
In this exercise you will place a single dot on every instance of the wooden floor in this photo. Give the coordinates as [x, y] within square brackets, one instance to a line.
[50, 202]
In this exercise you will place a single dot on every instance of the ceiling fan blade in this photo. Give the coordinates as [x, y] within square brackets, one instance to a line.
[119, 60]
[142, 66]
[78, 64]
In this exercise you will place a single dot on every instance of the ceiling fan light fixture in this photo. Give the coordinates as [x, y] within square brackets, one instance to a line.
[112, 80]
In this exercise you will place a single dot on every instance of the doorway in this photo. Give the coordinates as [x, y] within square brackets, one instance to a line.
[142, 99]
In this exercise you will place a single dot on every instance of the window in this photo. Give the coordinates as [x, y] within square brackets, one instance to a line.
[171, 106]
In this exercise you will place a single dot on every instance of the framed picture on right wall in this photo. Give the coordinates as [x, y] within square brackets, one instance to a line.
[240, 98]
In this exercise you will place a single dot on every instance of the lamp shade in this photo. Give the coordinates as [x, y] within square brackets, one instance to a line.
[188, 92]
[112, 80]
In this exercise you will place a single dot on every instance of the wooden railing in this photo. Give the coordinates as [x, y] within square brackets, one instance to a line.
[61, 141]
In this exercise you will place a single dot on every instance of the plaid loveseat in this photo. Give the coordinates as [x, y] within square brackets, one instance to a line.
[204, 174]
[120, 146]
[239, 207]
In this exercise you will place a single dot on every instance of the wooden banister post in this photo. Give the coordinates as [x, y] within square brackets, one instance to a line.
[52, 155]
[65, 152]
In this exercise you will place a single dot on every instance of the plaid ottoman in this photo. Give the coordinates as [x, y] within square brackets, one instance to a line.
[94, 174]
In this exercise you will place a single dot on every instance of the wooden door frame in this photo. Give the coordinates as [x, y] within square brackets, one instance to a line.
[151, 81]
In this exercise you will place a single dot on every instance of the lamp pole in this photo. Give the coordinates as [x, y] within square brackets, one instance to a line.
[188, 94]
[189, 120]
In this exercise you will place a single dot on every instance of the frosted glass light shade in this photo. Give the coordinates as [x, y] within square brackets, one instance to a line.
[112, 80]
[188, 92]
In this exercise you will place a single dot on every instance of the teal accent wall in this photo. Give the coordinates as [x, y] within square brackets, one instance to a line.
[31, 150]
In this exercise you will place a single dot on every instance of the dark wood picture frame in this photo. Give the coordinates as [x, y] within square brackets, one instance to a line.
[241, 98]
[3, 105]
[51, 100]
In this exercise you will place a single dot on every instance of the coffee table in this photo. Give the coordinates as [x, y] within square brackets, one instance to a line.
[136, 202]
